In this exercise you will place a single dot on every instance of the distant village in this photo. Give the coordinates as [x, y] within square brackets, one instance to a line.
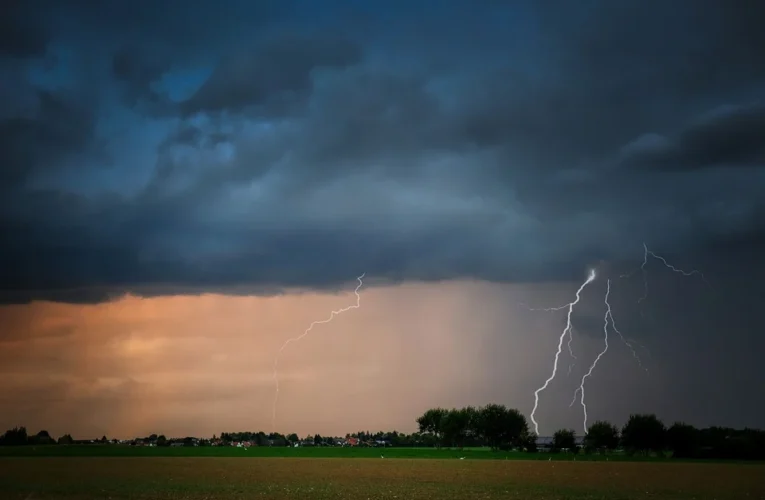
[247, 440]
[310, 441]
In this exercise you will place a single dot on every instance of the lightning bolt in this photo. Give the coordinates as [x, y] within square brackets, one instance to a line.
[566, 331]
[627, 342]
[649, 253]
[570, 330]
[608, 316]
[300, 337]
[580, 390]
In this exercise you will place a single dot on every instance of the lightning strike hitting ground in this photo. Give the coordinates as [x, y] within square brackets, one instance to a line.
[580, 390]
[609, 317]
[566, 331]
[306, 332]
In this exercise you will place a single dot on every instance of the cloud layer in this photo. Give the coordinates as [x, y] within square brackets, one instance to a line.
[283, 145]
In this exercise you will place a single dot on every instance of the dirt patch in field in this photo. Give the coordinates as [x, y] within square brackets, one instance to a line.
[227, 478]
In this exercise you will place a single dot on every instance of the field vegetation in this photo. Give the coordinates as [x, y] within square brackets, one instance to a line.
[405, 479]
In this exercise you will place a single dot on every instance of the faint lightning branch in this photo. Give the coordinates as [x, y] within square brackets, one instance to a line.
[300, 337]
[566, 331]
[676, 270]
[627, 342]
[635, 342]
[649, 253]
[580, 389]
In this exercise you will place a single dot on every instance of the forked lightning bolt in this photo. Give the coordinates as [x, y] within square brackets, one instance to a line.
[566, 331]
[580, 390]
[570, 330]
[609, 317]
[306, 332]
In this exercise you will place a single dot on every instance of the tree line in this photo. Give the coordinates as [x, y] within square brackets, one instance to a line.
[494, 426]
[500, 427]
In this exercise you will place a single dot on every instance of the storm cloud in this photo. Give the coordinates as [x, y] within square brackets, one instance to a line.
[498, 143]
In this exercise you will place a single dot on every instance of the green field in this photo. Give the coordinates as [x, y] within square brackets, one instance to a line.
[206, 478]
[285, 452]
[97, 450]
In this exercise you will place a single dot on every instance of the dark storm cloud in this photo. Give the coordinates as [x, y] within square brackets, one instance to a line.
[137, 72]
[731, 136]
[278, 70]
[58, 128]
[21, 35]
[308, 145]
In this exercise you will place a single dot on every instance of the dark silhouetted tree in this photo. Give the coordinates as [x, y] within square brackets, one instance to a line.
[683, 440]
[456, 425]
[602, 436]
[564, 439]
[15, 437]
[500, 427]
[528, 442]
[42, 437]
[644, 433]
[162, 440]
[65, 439]
[430, 422]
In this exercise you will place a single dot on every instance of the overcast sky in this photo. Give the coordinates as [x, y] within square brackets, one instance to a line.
[233, 166]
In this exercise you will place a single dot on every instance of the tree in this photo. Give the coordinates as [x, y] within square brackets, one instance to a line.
[456, 425]
[103, 439]
[278, 439]
[501, 427]
[602, 436]
[683, 440]
[162, 440]
[528, 442]
[317, 440]
[15, 437]
[42, 437]
[430, 422]
[65, 439]
[293, 438]
[564, 439]
[644, 433]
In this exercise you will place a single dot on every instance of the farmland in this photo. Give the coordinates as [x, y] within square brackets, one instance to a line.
[289, 452]
[209, 477]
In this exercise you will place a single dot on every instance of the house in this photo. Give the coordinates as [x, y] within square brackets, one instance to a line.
[352, 441]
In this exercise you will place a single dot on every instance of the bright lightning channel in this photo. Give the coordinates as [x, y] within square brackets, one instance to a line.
[566, 331]
[609, 317]
[570, 330]
[580, 390]
[300, 337]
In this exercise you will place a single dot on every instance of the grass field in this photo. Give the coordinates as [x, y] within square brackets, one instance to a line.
[125, 451]
[198, 478]
[285, 452]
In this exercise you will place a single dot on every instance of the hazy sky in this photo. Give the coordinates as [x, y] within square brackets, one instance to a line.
[233, 166]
